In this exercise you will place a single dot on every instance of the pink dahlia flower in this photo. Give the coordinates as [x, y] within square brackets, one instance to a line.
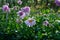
[6, 8]
[26, 10]
[57, 2]
[21, 14]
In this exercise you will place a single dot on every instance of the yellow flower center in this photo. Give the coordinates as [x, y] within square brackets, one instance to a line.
[30, 21]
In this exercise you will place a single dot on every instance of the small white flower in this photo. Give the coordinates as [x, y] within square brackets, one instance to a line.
[21, 14]
[16, 31]
[30, 22]
[19, 2]
[48, 3]
[57, 31]
[45, 23]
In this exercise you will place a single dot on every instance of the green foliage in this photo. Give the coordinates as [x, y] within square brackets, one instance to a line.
[19, 31]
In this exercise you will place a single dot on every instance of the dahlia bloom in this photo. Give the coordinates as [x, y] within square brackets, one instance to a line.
[30, 22]
[57, 2]
[21, 14]
[6, 8]
[45, 23]
[26, 9]
[19, 2]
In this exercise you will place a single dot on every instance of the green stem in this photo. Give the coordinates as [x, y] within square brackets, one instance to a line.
[6, 19]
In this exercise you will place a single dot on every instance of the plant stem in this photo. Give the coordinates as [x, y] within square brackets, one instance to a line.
[6, 19]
